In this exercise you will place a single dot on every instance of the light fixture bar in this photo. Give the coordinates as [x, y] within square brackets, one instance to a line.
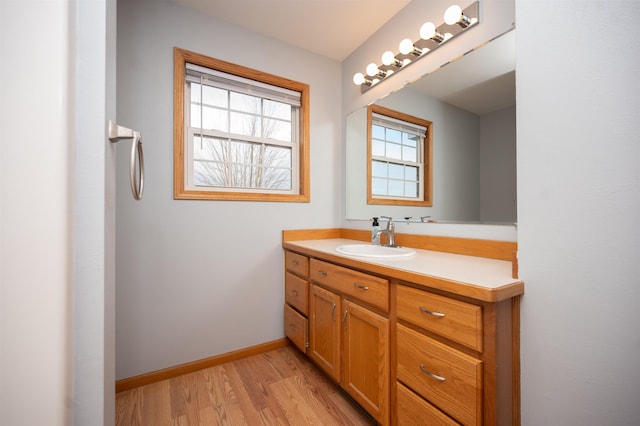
[457, 20]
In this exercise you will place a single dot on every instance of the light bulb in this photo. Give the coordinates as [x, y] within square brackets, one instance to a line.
[427, 30]
[453, 14]
[372, 70]
[388, 58]
[358, 78]
[406, 47]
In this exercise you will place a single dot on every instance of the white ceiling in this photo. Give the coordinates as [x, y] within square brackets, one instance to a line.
[332, 28]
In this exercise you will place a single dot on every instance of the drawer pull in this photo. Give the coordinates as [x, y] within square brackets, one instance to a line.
[323, 273]
[435, 376]
[363, 287]
[292, 326]
[435, 314]
[295, 293]
[295, 262]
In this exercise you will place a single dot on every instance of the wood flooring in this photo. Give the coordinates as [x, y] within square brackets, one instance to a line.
[279, 387]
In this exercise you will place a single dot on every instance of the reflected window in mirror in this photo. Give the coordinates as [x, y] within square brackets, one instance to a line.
[399, 163]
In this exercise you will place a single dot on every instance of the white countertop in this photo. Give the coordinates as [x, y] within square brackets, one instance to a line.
[475, 271]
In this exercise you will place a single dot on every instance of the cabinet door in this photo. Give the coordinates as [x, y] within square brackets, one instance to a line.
[324, 330]
[366, 359]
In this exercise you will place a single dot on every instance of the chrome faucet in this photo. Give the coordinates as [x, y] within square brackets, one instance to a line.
[390, 232]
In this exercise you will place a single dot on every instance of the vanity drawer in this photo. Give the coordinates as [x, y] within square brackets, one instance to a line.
[296, 263]
[295, 328]
[458, 321]
[449, 379]
[413, 410]
[364, 287]
[296, 292]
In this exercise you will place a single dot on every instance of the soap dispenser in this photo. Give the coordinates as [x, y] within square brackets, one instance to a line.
[375, 227]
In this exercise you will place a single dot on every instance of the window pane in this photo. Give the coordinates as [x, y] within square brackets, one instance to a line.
[410, 140]
[394, 135]
[208, 174]
[278, 130]
[277, 157]
[245, 103]
[205, 148]
[214, 96]
[377, 148]
[195, 92]
[409, 154]
[396, 171]
[276, 178]
[277, 110]
[379, 169]
[377, 132]
[245, 124]
[215, 119]
[411, 173]
[411, 189]
[396, 188]
[394, 151]
[379, 186]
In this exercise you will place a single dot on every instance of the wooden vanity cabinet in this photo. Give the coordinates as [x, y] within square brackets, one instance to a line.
[407, 352]
[296, 308]
[454, 359]
[349, 340]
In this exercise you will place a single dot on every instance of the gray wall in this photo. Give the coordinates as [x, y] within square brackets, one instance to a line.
[498, 166]
[201, 278]
[578, 210]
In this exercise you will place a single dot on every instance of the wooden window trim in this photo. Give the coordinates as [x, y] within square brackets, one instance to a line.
[427, 170]
[180, 192]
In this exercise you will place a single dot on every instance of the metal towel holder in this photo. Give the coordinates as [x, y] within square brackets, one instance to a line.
[116, 133]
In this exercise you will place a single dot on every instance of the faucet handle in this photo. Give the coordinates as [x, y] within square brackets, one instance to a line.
[390, 224]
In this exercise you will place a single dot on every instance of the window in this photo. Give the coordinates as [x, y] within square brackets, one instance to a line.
[399, 158]
[239, 134]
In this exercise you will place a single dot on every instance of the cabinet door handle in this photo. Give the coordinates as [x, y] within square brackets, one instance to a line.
[344, 318]
[323, 273]
[333, 313]
[363, 287]
[435, 314]
[435, 376]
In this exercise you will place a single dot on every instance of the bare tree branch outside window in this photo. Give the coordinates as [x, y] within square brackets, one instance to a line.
[232, 162]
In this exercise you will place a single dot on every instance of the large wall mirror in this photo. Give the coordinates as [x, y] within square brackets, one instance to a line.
[471, 103]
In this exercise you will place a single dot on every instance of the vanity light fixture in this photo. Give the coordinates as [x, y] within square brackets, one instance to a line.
[457, 20]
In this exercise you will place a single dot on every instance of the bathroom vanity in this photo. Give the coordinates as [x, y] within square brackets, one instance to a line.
[431, 338]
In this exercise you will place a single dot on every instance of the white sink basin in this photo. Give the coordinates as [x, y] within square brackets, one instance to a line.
[371, 250]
